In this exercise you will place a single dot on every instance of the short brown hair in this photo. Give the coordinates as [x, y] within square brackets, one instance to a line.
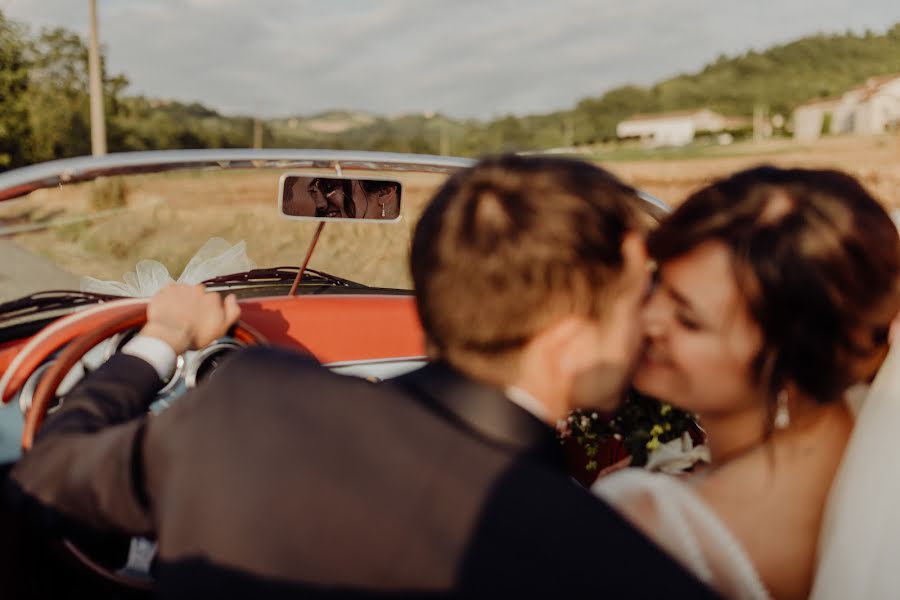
[816, 260]
[509, 245]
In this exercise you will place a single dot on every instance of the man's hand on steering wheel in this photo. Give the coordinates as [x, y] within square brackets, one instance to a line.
[187, 317]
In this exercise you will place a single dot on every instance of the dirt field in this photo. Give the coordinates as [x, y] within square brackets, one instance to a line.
[874, 160]
[168, 217]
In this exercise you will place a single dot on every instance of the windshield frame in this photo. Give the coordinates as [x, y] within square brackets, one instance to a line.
[17, 184]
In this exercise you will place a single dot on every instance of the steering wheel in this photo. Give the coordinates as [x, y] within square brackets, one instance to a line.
[75, 351]
[132, 318]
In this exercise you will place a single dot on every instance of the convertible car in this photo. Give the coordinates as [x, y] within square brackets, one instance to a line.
[313, 243]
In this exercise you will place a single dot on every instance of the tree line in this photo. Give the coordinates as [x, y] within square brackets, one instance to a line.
[44, 95]
[46, 111]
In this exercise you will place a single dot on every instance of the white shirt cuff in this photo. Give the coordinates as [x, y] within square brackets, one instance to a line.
[153, 350]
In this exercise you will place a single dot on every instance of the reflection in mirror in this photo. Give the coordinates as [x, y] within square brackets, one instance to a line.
[313, 197]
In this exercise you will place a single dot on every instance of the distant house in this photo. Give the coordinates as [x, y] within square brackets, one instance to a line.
[674, 128]
[870, 108]
[879, 109]
[810, 118]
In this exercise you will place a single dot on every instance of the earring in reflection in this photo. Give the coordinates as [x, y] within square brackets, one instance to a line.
[383, 213]
[782, 414]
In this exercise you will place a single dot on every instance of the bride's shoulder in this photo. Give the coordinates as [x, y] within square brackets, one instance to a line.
[792, 469]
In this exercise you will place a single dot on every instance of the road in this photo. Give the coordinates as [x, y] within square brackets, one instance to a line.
[22, 272]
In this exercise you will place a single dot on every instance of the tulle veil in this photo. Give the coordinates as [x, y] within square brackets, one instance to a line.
[216, 257]
[859, 543]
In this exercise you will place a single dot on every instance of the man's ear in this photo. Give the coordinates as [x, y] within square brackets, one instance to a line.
[634, 250]
[560, 346]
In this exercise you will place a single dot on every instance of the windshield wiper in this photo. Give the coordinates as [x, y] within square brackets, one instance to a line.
[255, 277]
[40, 302]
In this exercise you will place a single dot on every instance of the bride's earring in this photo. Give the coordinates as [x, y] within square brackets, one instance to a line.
[383, 213]
[782, 414]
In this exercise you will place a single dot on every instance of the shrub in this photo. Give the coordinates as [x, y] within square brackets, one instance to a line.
[108, 193]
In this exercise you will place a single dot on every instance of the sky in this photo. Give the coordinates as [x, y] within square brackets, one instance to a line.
[464, 58]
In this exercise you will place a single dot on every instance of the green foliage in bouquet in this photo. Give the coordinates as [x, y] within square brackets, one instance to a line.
[642, 423]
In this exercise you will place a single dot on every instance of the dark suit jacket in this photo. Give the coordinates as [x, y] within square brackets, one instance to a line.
[278, 477]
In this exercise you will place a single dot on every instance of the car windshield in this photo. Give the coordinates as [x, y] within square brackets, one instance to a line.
[55, 238]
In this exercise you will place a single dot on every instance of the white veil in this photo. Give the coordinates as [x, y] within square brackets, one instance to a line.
[216, 257]
[859, 543]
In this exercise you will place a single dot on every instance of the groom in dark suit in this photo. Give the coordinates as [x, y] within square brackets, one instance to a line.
[278, 478]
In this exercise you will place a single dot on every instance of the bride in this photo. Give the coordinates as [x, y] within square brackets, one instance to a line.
[776, 290]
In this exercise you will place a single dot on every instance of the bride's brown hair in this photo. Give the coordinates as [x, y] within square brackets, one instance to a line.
[816, 260]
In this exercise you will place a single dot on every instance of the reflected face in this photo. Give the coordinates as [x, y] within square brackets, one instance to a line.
[299, 202]
[387, 204]
[361, 202]
[700, 339]
[380, 203]
[328, 197]
[325, 197]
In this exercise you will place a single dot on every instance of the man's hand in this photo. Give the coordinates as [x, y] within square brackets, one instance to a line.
[188, 317]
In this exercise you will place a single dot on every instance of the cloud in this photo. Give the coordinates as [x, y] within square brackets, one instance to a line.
[466, 58]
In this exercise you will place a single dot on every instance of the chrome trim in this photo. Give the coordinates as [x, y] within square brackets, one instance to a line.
[198, 358]
[54, 327]
[25, 180]
[373, 361]
[657, 208]
[26, 394]
[125, 580]
[378, 369]
[176, 376]
[113, 344]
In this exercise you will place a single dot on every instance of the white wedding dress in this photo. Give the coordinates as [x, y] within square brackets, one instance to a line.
[859, 543]
[673, 515]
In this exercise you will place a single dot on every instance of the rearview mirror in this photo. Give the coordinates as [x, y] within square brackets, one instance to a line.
[317, 198]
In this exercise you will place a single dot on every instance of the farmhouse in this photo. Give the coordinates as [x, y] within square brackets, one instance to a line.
[810, 118]
[870, 108]
[671, 129]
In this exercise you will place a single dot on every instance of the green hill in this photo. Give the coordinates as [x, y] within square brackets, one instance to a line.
[785, 76]
[44, 89]
[780, 78]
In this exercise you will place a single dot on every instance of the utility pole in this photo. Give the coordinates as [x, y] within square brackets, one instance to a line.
[257, 133]
[569, 131]
[258, 127]
[445, 137]
[98, 120]
[760, 122]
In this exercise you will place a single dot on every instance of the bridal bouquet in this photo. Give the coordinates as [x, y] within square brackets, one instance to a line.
[644, 426]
